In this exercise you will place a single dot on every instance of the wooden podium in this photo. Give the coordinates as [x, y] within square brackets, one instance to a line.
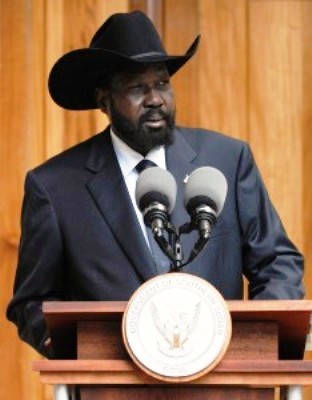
[265, 353]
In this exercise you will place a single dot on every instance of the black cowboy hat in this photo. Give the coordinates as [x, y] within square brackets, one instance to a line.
[123, 39]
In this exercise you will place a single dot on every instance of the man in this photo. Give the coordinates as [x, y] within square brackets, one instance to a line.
[83, 237]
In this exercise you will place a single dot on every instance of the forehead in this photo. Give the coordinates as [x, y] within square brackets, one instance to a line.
[141, 71]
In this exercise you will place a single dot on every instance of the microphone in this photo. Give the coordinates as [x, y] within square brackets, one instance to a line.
[155, 194]
[205, 193]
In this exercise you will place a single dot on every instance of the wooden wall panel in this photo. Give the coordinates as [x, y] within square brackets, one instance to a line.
[180, 27]
[21, 113]
[306, 130]
[275, 82]
[54, 116]
[222, 98]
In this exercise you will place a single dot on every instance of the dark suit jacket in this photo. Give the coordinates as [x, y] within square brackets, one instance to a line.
[81, 239]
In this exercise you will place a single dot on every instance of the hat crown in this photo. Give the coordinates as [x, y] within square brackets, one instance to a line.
[131, 34]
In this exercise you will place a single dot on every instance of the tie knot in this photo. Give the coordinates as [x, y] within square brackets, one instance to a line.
[144, 164]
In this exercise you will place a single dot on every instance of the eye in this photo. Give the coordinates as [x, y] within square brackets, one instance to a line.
[135, 88]
[163, 84]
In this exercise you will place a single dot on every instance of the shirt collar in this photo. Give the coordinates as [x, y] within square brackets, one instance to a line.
[129, 158]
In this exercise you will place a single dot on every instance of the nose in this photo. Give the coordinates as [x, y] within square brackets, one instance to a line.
[153, 98]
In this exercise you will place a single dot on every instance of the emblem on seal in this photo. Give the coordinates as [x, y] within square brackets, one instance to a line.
[176, 327]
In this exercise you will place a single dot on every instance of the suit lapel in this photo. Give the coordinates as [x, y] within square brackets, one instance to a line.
[108, 189]
[179, 163]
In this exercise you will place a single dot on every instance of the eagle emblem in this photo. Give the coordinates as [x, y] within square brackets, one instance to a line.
[175, 326]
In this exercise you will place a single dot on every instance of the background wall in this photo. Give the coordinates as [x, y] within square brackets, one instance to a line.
[252, 79]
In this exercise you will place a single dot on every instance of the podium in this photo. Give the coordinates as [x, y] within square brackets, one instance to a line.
[266, 352]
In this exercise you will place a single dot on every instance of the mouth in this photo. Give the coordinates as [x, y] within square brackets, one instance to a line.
[155, 121]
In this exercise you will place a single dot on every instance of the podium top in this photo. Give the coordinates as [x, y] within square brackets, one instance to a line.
[292, 317]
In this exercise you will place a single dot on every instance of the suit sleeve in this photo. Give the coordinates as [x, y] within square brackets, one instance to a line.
[39, 275]
[271, 262]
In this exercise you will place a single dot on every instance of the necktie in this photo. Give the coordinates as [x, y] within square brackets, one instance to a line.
[144, 164]
[160, 260]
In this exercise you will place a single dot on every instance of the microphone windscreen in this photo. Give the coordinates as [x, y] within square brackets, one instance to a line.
[157, 180]
[208, 182]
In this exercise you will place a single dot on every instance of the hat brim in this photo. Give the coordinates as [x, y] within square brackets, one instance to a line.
[75, 76]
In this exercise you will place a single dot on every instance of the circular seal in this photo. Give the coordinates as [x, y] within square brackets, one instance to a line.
[176, 327]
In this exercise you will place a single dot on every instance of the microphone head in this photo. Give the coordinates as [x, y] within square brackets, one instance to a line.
[159, 184]
[209, 183]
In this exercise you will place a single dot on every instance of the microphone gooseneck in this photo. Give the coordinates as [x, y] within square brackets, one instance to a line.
[205, 194]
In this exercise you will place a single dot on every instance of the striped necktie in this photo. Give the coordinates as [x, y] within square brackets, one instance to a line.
[161, 261]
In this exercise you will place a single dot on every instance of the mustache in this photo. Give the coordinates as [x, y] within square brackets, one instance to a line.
[154, 115]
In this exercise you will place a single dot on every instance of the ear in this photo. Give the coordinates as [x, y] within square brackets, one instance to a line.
[101, 96]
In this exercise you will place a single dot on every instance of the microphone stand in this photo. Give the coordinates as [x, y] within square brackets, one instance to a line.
[172, 248]
[174, 240]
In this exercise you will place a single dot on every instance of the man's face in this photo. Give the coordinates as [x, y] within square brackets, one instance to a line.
[140, 105]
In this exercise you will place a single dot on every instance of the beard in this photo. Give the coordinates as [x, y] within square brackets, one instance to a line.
[140, 137]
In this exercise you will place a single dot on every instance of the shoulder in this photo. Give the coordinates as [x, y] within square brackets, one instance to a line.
[214, 144]
[72, 158]
[198, 137]
[68, 168]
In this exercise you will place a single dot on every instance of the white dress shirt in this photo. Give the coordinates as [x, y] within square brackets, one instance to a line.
[128, 160]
